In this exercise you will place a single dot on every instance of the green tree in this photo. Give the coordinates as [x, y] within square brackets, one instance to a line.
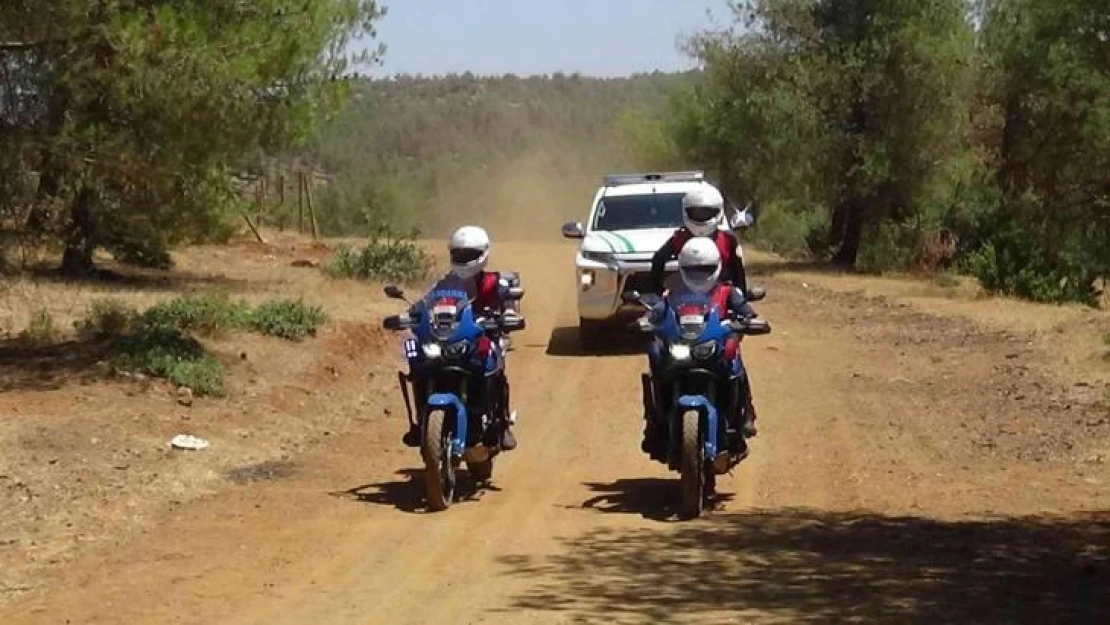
[122, 120]
[855, 108]
[1048, 97]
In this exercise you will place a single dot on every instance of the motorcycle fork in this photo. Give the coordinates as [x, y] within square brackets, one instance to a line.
[647, 389]
[404, 381]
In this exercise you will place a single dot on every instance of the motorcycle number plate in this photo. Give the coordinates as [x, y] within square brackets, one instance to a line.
[691, 319]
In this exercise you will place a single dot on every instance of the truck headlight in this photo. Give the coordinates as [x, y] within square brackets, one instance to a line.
[605, 258]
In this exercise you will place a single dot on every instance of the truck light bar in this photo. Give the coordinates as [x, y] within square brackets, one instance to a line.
[616, 180]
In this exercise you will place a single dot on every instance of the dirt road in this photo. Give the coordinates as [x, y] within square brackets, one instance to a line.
[898, 477]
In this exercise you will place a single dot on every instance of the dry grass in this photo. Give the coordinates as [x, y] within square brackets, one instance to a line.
[1071, 334]
[83, 456]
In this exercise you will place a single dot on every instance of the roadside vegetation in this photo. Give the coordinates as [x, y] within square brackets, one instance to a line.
[880, 134]
[162, 340]
[386, 257]
[122, 124]
[959, 136]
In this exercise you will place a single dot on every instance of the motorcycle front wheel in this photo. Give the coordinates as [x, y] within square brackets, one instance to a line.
[439, 470]
[693, 466]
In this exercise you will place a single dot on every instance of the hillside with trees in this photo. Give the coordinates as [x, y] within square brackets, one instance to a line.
[886, 134]
[506, 150]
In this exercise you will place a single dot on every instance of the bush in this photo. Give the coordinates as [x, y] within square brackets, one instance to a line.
[41, 328]
[158, 341]
[946, 280]
[105, 318]
[385, 258]
[166, 352]
[889, 246]
[288, 319]
[210, 314]
[1007, 266]
[788, 231]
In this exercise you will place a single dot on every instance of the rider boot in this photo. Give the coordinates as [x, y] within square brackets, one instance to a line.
[508, 420]
[748, 413]
[508, 440]
[653, 440]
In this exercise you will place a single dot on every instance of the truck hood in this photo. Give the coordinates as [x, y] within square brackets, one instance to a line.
[627, 244]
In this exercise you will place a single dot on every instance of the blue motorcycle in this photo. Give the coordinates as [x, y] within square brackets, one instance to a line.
[457, 381]
[695, 389]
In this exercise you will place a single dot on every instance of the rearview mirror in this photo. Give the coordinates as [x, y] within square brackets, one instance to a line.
[394, 292]
[574, 230]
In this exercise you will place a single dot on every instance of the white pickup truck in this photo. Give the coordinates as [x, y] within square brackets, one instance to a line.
[632, 216]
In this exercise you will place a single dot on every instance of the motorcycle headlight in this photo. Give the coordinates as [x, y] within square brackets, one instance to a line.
[705, 351]
[457, 351]
[680, 352]
[432, 351]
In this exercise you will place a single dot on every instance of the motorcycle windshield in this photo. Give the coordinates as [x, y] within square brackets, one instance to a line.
[690, 312]
[445, 303]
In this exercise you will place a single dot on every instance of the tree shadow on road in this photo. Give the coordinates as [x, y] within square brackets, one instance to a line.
[820, 567]
[126, 277]
[25, 366]
[407, 494]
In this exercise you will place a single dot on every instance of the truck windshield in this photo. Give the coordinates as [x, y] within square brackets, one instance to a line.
[639, 212]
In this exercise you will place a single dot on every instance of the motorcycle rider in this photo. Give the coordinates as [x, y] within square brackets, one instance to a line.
[700, 270]
[469, 250]
[702, 212]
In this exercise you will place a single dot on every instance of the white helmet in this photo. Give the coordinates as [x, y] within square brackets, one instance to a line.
[699, 263]
[702, 210]
[469, 250]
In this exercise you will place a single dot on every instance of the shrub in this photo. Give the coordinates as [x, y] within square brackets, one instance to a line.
[209, 314]
[788, 231]
[158, 341]
[385, 258]
[166, 352]
[288, 319]
[41, 329]
[946, 280]
[108, 317]
[1005, 266]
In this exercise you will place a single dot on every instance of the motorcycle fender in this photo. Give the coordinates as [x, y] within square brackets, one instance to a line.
[709, 418]
[452, 405]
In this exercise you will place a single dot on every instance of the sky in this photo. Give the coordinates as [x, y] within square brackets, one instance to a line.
[593, 37]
